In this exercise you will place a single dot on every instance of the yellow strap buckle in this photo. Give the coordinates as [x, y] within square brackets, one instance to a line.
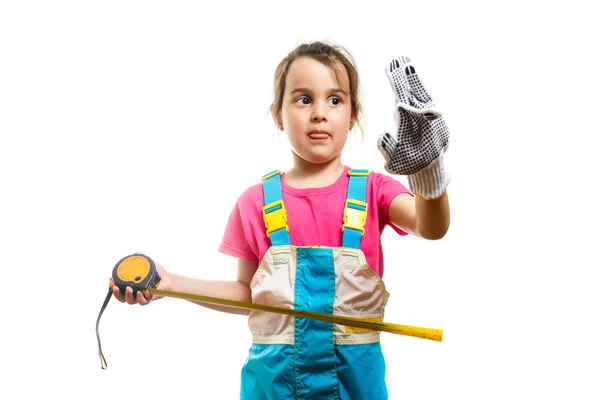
[275, 217]
[355, 215]
[359, 173]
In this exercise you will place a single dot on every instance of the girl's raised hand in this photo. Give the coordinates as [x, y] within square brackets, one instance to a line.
[421, 138]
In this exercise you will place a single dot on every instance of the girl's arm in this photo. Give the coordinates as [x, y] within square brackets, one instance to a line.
[428, 219]
[233, 290]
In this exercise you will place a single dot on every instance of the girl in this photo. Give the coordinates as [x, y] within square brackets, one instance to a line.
[310, 238]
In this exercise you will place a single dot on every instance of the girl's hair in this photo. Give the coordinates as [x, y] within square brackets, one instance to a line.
[329, 55]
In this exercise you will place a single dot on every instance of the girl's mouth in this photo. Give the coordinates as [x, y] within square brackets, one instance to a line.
[318, 135]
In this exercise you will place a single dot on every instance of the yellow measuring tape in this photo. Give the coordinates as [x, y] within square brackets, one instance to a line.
[139, 272]
[425, 333]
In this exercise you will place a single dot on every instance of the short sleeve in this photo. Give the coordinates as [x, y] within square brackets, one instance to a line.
[387, 190]
[235, 240]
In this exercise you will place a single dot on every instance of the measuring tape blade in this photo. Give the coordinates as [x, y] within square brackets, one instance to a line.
[407, 330]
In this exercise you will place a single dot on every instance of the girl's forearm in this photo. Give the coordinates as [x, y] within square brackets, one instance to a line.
[433, 217]
[232, 290]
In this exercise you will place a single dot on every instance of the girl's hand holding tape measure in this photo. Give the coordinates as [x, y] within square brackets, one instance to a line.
[131, 296]
[138, 297]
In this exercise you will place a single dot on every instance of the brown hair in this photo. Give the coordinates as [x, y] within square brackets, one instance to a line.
[329, 55]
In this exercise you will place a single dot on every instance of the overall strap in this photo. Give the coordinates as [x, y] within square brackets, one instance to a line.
[274, 210]
[355, 211]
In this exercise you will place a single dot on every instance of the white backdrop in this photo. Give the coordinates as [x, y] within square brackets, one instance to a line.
[134, 125]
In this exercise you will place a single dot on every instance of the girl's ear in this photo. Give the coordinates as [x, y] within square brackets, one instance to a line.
[352, 122]
[277, 118]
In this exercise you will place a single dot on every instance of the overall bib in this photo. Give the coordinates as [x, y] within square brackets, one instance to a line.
[298, 358]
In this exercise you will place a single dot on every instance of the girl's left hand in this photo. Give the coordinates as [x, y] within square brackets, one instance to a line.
[422, 136]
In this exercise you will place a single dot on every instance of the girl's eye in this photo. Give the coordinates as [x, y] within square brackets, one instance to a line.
[303, 100]
[335, 101]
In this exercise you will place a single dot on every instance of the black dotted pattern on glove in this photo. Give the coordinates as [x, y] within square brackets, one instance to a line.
[421, 136]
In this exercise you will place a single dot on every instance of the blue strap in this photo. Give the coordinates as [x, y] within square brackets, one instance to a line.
[272, 193]
[357, 190]
[272, 187]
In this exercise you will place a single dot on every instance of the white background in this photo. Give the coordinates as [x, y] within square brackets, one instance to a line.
[134, 125]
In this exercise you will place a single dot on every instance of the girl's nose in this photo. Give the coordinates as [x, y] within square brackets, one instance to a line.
[319, 113]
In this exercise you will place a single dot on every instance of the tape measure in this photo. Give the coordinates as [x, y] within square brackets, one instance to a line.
[139, 272]
[136, 271]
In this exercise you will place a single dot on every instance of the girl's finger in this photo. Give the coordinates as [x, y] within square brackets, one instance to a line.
[118, 295]
[141, 299]
[129, 295]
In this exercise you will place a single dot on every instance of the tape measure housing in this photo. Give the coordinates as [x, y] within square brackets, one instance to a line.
[137, 271]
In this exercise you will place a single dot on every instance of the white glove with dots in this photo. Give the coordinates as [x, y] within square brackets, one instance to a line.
[422, 137]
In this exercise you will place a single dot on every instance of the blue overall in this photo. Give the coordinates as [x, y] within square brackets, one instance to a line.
[299, 358]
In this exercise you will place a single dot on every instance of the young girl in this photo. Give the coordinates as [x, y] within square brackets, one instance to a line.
[309, 238]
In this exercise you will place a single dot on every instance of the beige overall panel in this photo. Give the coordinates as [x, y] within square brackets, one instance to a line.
[360, 293]
[273, 284]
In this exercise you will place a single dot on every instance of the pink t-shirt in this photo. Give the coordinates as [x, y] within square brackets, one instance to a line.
[314, 218]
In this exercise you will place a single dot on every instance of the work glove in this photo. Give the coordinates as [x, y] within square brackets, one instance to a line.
[422, 136]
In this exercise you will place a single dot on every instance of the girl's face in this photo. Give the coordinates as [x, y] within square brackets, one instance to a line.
[316, 110]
